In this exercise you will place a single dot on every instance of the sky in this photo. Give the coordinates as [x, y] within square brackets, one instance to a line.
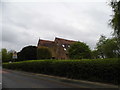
[24, 22]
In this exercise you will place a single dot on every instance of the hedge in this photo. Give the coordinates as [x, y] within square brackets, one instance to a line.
[101, 70]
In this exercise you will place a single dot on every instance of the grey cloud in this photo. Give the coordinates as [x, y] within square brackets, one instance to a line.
[8, 35]
[24, 23]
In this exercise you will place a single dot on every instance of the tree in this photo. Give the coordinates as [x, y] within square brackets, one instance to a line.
[6, 56]
[95, 54]
[44, 53]
[111, 49]
[0, 56]
[115, 21]
[9, 55]
[107, 48]
[79, 50]
[100, 44]
[27, 53]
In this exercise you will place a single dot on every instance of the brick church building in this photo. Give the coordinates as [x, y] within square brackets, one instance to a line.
[58, 47]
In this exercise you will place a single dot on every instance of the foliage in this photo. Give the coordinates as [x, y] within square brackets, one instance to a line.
[111, 49]
[6, 56]
[108, 48]
[103, 70]
[115, 21]
[79, 50]
[0, 56]
[95, 54]
[44, 53]
[28, 53]
[100, 48]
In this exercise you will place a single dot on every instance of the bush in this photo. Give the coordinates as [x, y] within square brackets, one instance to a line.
[43, 53]
[102, 70]
[27, 53]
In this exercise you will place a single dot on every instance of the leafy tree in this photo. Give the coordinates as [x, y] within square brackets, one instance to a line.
[44, 53]
[95, 54]
[28, 53]
[0, 56]
[6, 56]
[79, 50]
[111, 49]
[115, 21]
[101, 40]
[100, 44]
[9, 55]
[108, 48]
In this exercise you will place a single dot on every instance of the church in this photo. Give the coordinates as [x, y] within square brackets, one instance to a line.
[58, 47]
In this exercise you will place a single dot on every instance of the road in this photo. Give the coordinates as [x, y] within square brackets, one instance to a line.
[13, 79]
[18, 79]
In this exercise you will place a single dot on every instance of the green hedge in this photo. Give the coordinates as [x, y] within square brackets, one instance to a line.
[102, 70]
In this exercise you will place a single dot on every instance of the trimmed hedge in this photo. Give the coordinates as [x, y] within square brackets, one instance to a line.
[102, 70]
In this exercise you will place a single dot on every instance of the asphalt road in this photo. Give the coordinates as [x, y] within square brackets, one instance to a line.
[13, 79]
[17, 79]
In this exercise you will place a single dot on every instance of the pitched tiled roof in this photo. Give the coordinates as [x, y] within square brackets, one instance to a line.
[42, 42]
[57, 40]
[64, 41]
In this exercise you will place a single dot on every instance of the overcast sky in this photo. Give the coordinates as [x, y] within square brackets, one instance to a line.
[23, 23]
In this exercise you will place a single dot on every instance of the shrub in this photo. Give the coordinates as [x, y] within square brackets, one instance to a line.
[43, 53]
[102, 70]
[27, 53]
